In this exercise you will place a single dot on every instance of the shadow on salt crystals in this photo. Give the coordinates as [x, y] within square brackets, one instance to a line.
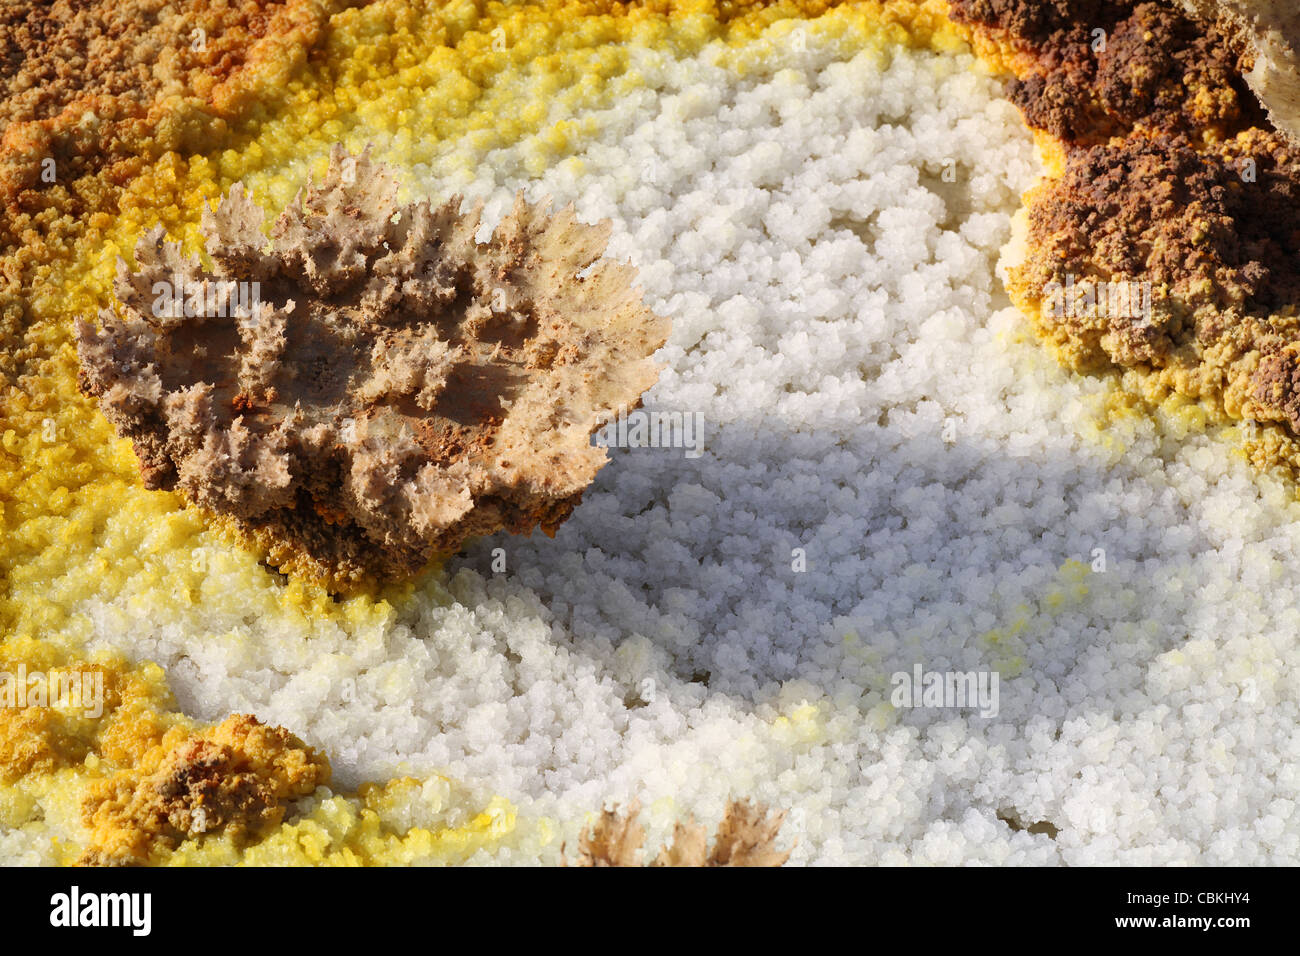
[912, 545]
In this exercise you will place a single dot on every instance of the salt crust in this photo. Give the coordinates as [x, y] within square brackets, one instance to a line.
[833, 308]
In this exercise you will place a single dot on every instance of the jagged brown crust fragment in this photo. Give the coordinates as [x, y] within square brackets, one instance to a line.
[1170, 175]
[745, 837]
[234, 779]
[396, 388]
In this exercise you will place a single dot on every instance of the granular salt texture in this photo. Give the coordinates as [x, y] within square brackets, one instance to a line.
[868, 398]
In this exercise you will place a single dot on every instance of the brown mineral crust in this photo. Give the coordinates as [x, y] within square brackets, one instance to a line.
[1170, 175]
[1152, 68]
[1161, 210]
[106, 86]
[615, 839]
[746, 836]
[236, 779]
[1214, 230]
[1276, 382]
[1270, 31]
[392, 388]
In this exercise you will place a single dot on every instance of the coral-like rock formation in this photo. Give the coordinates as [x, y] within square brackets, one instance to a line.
[373, 386]
[745, 837]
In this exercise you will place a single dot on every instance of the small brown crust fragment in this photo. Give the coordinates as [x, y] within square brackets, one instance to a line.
[236, 779]
[373, 386]
[746, 836]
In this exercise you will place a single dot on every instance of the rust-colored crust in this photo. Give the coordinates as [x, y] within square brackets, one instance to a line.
[107, 87]
[1171, 188]
[94, 92]
[235, 779]
[1090, 70]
